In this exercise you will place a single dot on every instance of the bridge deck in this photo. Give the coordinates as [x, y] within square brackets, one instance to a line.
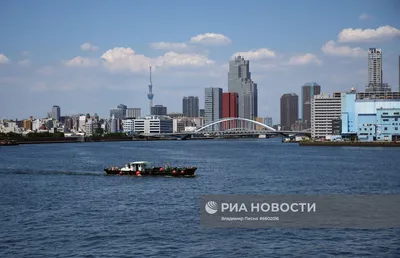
[230, 133]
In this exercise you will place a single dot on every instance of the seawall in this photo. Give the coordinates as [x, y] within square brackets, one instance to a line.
[352, 144]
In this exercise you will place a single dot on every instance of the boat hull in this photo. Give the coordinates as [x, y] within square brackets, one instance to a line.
[155, 171]
[8, 143]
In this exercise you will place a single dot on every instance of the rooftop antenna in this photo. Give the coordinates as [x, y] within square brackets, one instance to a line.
[150, 95]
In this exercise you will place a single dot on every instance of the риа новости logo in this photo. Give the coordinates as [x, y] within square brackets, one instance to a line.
[211, 207]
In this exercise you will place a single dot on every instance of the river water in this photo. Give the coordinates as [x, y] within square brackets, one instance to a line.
[56, 201]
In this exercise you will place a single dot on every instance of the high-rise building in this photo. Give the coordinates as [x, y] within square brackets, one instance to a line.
[82, 123]
[375, 68]
[202, 112]
[375, 74]
[117, 113]
[158, 110]
[308, 91]
[399, 73]
[55, 113]
[239, 81]
[229, 108]
[133, 112]
[289, 110]
[268, 121]
[185, 110]
[114, 122]
[123, 108]
[190, 106]
[230, 104]
[324, 111]
[212, 105]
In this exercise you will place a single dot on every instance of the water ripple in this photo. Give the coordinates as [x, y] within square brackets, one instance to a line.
[63, 205]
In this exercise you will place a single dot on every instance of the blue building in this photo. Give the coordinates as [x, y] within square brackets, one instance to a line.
[348, 104]
[370, 119]
[388, 124]
[366, 127]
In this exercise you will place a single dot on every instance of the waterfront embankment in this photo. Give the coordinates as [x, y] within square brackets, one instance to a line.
[352, 144]
[50, 140]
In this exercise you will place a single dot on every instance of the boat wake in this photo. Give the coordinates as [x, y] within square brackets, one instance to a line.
[72, 173]
[52, 172]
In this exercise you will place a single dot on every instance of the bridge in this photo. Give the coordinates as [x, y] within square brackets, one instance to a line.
[235, 126]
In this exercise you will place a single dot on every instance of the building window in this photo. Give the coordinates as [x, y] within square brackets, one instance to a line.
[385, 129]
[396, 128]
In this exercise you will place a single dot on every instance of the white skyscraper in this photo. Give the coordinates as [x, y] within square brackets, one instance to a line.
[324, 109]
[239, 80]
[212, 105]
[133, 112]
[375, 68]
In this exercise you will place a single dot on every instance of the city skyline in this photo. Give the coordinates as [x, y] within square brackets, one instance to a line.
[42, 65]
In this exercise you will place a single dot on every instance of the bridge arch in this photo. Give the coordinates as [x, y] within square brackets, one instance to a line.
[235, 119]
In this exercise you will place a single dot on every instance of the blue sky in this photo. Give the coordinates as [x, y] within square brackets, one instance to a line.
[90, 56]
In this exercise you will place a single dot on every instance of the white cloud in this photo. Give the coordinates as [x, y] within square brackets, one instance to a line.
[25, 62]
[175, 59]
[80, 61]
[380, 34]
[89, 47]
[205, 39]
[3, 59]
[210, 39]
[169, 46]
[331, 48]
[120, 58]
[305, 59]
[364, 17]
[259, 54]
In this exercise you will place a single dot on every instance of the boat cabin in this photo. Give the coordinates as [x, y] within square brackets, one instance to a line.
[137, 166]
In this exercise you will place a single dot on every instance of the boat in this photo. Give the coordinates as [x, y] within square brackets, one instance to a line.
[144, 168]
[8, 143]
